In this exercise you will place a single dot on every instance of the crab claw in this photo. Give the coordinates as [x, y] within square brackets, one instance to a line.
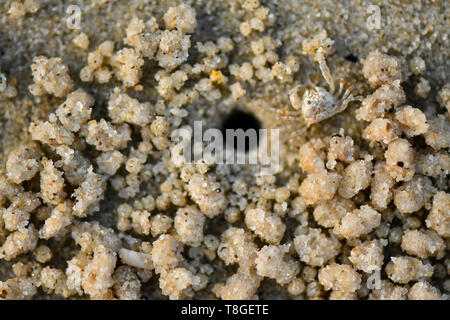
[326, 74]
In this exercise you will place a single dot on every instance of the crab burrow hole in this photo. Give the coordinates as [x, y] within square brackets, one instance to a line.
[247, 122]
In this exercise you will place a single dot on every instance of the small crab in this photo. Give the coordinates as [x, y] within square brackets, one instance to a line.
[318, 104]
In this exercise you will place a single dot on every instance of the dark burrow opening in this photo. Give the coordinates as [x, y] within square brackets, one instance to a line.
[247, 122]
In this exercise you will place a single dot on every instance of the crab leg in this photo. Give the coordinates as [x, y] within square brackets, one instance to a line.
[283, 112]
[341, 87]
